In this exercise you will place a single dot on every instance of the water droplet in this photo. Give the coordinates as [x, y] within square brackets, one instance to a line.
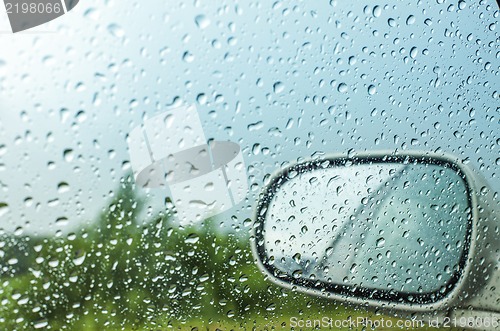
[64, 114]
[39, 324]
[193, 238]
[255, 126]
[12, 261]
[62, 187]
[188, 57]
[202, 99]
[372, 89]
[410, 20]
[53, 263]
[413, 52]
[79, 260]
[80, 87]
[68, 155]
[116, 30]
[209, 186]
[92, 13]
[342, 88]
[81, 116]
[202, 21]
[62, 221]
[271, 307]
[278, 87]
[4, 208]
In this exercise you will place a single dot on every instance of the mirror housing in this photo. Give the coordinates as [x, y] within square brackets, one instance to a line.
[477, 285]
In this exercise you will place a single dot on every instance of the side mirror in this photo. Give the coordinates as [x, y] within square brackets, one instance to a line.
[416, 233]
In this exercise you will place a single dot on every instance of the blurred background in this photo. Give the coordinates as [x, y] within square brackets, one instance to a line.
[83, 249]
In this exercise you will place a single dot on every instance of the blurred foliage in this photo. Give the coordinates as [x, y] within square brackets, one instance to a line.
[121, 274]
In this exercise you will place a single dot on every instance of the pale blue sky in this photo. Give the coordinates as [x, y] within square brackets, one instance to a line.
[284, 80]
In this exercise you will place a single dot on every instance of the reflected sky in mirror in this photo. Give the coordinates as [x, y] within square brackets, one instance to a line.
[382, 226]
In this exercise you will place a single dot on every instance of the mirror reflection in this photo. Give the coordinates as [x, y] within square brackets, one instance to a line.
[386, 226]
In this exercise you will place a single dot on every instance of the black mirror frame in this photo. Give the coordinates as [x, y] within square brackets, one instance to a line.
[350, 291]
